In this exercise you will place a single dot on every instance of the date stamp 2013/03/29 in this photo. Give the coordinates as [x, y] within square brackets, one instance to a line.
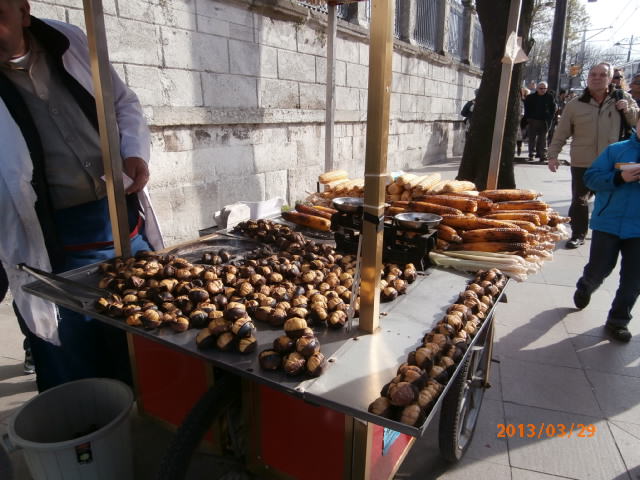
[546, 430]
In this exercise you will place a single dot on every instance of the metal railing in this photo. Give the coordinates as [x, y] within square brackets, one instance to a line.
[427, 27]
[455, 38]
[477, 47]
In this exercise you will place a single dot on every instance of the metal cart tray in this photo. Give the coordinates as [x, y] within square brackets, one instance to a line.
[359, 364]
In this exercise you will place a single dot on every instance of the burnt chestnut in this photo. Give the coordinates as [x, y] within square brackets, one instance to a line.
[270, 360]
[283, 345]
[198, 318]
[205, 340]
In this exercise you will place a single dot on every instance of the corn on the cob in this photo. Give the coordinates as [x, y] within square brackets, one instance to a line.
[505, 195]
[516, 235]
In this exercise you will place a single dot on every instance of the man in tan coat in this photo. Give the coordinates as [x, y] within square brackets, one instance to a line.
[594, 120]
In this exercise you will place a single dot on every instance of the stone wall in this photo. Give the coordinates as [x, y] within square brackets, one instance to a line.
[234, 93]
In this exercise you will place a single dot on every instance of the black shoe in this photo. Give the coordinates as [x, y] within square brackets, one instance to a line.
[531, 159]
[619, 333]
[29, 367]
[574, 242]
[581, 299]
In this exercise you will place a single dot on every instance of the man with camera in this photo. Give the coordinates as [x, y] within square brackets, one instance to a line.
[593, 120]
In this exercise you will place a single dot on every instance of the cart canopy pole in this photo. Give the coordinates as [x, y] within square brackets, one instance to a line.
[512, 52]
[375, 172]
[330, 111]
[109, 138]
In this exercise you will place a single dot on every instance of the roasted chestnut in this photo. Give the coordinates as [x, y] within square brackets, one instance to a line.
[270, 360]
[225, 341]
[283, 345]
[307, 345]
[247, 344]
[402, 393]
[316, 364]
[242, 327]
[381, 406]
[205, 339]
[294, 364]
[294, 327]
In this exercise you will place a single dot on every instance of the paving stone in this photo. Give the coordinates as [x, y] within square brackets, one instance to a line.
[591, 320]
[605, 355]
[552, 347]
[473, 469]
[521, 474]
[545, 386]
[585, 458]
[485, 444]
[627, 438]
[617, 395]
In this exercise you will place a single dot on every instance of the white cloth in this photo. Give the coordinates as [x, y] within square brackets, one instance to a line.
[21, 238]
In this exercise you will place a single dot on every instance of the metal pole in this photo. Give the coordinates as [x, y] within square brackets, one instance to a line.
[557, 41]
[330, 111]
[503, 97]
[107, 123]
[630, 47]
[375, 172]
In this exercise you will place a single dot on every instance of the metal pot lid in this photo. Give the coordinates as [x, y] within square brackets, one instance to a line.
[348, 204]
[417, 220]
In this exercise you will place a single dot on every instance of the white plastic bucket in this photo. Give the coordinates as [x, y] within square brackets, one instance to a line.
[76, 431]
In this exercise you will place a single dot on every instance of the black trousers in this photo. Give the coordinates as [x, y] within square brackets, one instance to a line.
[603, 256]
[537, 133]
[579, 209]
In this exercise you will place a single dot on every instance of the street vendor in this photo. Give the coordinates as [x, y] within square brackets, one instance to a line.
[55, 213]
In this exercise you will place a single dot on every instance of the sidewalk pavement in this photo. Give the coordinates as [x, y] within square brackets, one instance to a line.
[556, 366]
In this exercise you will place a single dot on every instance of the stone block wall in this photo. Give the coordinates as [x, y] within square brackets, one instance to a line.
[234, 92]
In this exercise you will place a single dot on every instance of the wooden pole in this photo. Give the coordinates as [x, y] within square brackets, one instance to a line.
[380, 51]
[503, 94]
[107, 123]
[330, 110]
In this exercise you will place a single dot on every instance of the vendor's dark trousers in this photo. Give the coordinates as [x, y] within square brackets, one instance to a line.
[537, 133]
[603, 256]
[89, 348]
[579, 209]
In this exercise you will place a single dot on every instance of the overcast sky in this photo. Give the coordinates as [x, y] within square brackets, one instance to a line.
[623, 16]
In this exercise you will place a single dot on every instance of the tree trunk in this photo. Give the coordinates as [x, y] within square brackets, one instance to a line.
[474, 166]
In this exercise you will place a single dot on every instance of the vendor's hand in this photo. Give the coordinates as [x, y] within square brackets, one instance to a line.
[622, 105]
[138, 170]
[553, 164]
[631, 175]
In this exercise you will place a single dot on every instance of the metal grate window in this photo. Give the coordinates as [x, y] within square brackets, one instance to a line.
[477, 48]
[456, 30]
[343, 10]
[427, 27]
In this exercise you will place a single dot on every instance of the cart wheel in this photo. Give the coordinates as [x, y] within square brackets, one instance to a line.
[213, 403]
[461, 406]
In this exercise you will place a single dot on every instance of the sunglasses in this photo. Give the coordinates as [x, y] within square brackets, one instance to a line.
[617, 77]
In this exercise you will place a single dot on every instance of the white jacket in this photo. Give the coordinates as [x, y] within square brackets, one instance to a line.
[21, 238]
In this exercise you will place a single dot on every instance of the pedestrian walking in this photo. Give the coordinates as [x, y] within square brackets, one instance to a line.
[616, 231]
[539, 109]
[593, 121]
[467, 111]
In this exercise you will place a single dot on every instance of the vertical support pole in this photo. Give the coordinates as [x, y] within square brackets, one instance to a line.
[503, 95]
[408, 10]
[375, 172]
[330, 111]
[467, 38]
[443, 21]
[557, 42]
[107, 123]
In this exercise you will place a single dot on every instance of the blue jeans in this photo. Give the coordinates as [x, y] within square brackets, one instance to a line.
[88, 348]
[603, 256]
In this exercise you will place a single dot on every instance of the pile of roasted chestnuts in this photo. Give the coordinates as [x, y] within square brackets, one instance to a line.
[419, 381]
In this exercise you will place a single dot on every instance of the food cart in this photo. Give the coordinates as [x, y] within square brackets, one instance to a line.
[293, 423]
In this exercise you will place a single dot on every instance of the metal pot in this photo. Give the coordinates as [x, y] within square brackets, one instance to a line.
[417, 220]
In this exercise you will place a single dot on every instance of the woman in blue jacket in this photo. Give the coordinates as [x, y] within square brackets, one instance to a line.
[616, 230]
